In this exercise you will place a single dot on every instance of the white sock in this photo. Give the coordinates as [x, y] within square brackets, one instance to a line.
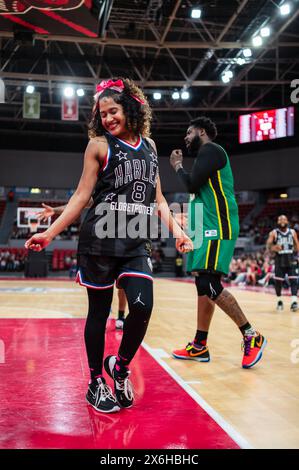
[250, 332]
[294, 298]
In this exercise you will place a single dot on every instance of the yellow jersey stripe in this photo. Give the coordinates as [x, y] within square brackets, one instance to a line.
[208, 253]
[217, 254]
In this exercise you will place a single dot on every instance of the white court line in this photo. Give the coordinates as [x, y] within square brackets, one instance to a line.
[240, 440]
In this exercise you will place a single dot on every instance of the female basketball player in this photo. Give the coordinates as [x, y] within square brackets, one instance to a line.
[121, 170]
[49, 211]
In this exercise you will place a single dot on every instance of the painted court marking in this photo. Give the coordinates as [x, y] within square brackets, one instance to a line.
[240, 440]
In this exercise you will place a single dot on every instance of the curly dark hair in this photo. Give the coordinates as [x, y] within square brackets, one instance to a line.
[138, 116]
[207, 124]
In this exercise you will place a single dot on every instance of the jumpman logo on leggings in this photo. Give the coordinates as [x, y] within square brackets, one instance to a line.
[138, 299]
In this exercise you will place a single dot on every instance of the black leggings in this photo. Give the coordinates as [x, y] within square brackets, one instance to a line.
[293, 284]
[139, 293]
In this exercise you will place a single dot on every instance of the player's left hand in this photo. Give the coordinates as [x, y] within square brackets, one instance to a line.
[184, 244]
[38, 242]
[176, 159]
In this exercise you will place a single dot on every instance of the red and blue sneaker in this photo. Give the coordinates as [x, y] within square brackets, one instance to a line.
[253, 347]
[193, 352]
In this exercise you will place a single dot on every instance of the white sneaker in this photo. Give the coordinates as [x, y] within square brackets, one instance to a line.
[122, 385]
[119, 324]
[294, 306]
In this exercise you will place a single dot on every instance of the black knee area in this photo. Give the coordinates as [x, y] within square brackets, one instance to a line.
[294, 286]
[139, 293]
[278, 287]
[99, 303]
[208, 284]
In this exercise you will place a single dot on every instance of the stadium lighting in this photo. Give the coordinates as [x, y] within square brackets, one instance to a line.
[185, 95]
[157, 95]
[80, 92]
[283, 195]
[30, 89]
[265, 32]
[175, 95]
[247, 52]
[229, 73]
[240, 61]
[225, 78]
[285, 9]
[257, 41]
[196, 13]
[68, 91]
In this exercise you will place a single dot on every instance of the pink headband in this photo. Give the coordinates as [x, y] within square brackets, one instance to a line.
[118, 86]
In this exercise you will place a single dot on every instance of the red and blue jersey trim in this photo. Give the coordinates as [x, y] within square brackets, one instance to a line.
[133, 274]
[135, 146]
[79, 279]
[106, 161]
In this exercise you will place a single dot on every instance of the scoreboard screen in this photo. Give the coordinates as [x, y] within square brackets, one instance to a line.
[266, 125]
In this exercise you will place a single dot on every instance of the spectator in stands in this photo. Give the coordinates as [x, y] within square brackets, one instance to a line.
[179, 265]
[251, 271]
[2, 263]
[67, 261]
[73, 268]
[10, 262]
[11, 195]
[156, 261]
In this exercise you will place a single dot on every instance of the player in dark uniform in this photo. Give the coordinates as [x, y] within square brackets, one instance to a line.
[49, 211]
[283, 241]
[121, 173]
[211, 186]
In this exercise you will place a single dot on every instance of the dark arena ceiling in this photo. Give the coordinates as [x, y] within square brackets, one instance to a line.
[51, 43]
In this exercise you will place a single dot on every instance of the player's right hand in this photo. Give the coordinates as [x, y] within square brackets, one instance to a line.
[46, 213]
[184, 244]
[176, 159]
[276, 248]
[38, 241]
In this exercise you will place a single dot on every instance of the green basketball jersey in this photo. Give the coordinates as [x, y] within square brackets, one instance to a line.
[220, 219]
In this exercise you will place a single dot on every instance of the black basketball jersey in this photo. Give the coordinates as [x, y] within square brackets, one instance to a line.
[285, 257]
[118, 222]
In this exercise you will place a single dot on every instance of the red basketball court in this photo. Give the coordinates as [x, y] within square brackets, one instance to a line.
[44, 383]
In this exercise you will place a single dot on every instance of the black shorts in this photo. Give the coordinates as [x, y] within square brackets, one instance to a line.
[100, 272]
[291, 271]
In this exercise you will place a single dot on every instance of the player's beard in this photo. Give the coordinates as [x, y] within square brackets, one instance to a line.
[282, 226]
[194, 146]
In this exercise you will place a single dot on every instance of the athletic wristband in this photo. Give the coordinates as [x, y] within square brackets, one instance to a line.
[178, 166]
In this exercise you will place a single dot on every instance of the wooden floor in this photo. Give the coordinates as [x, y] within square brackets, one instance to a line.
[262, 404]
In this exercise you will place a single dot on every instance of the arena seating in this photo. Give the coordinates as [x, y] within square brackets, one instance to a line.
[14, 251]
[61, 259]
[276, 207]
[244, 209]
[2, 207]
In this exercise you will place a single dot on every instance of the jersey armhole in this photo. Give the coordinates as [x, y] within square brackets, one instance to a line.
[226, 159]
[104, 163]
[146, 139]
